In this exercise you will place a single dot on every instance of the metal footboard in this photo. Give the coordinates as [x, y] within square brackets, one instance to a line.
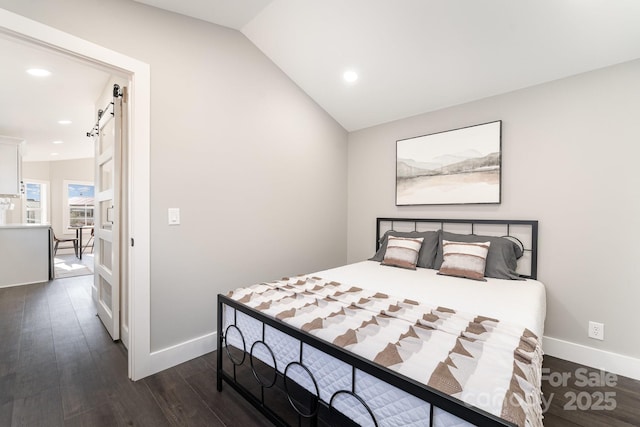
[258, 380]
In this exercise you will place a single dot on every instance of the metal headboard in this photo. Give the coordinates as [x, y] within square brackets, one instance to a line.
[526, 231]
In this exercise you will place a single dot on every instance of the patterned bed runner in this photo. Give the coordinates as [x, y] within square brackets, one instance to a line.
[482, 361]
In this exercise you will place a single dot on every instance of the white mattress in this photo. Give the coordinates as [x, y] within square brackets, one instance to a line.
[519, 302]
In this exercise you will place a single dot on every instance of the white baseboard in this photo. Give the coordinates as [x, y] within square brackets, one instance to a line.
[180, 353]
[23, 284]
[610, 362]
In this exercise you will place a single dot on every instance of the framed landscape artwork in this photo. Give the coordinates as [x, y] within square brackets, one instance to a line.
[459, 166]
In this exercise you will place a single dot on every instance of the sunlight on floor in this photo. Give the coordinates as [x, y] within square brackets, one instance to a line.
[69, 265]
[64, 266]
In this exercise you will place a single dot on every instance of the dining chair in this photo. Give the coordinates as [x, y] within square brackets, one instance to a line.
[65, 240]
[90, 242]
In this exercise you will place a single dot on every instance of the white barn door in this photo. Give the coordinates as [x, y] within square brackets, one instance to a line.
[108, 149]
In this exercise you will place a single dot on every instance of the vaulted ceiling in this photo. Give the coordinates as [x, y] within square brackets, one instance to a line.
[411, 57]
[415, 56]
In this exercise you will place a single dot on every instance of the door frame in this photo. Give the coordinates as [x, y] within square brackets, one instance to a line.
[35, 33]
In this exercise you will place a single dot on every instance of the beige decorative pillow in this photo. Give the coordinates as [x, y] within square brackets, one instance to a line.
[464, 259]
[402, 252]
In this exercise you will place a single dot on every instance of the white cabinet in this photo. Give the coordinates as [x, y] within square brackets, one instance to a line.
[10, 166]
[26, 254]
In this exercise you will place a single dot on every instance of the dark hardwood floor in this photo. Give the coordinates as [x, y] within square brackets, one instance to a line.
[577, 395]
[58, 367]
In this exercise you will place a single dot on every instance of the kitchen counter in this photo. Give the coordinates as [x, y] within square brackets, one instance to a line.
[26, 254]
[46, 226]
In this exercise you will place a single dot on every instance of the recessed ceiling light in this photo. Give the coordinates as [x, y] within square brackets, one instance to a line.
[350, 76]
[64, 122]
[57, 142]
[54, 154]
[38, 72]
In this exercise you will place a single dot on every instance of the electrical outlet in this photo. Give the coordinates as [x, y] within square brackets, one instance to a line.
[596, 330]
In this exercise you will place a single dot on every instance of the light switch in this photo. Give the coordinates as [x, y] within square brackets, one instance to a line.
[174, 216]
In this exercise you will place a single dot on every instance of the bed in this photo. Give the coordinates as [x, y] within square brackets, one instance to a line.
[381, 343]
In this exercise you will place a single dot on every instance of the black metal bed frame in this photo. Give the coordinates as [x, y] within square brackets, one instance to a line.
[533, 250]
[423, 392]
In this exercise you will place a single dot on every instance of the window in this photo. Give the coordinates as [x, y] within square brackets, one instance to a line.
[36, 202]
[79, 204]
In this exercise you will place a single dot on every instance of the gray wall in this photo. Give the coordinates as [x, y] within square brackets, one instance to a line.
[256, 167]
[570, 154]
[253, 163]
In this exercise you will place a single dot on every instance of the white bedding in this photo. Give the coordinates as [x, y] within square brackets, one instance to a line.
[521, 302]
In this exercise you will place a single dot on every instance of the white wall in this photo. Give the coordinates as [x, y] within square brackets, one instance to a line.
[55, 173]
[66, 170]
[30, 170]
[256, 167]
[39, 171]
[570, 151]
[36, 170]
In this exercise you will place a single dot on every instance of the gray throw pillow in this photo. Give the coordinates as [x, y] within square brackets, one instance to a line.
[502, 259]
[427, 255]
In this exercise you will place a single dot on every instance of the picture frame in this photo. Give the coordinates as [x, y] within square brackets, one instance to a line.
[453, 167]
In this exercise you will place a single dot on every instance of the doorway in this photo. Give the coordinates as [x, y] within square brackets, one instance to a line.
[24, 30]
